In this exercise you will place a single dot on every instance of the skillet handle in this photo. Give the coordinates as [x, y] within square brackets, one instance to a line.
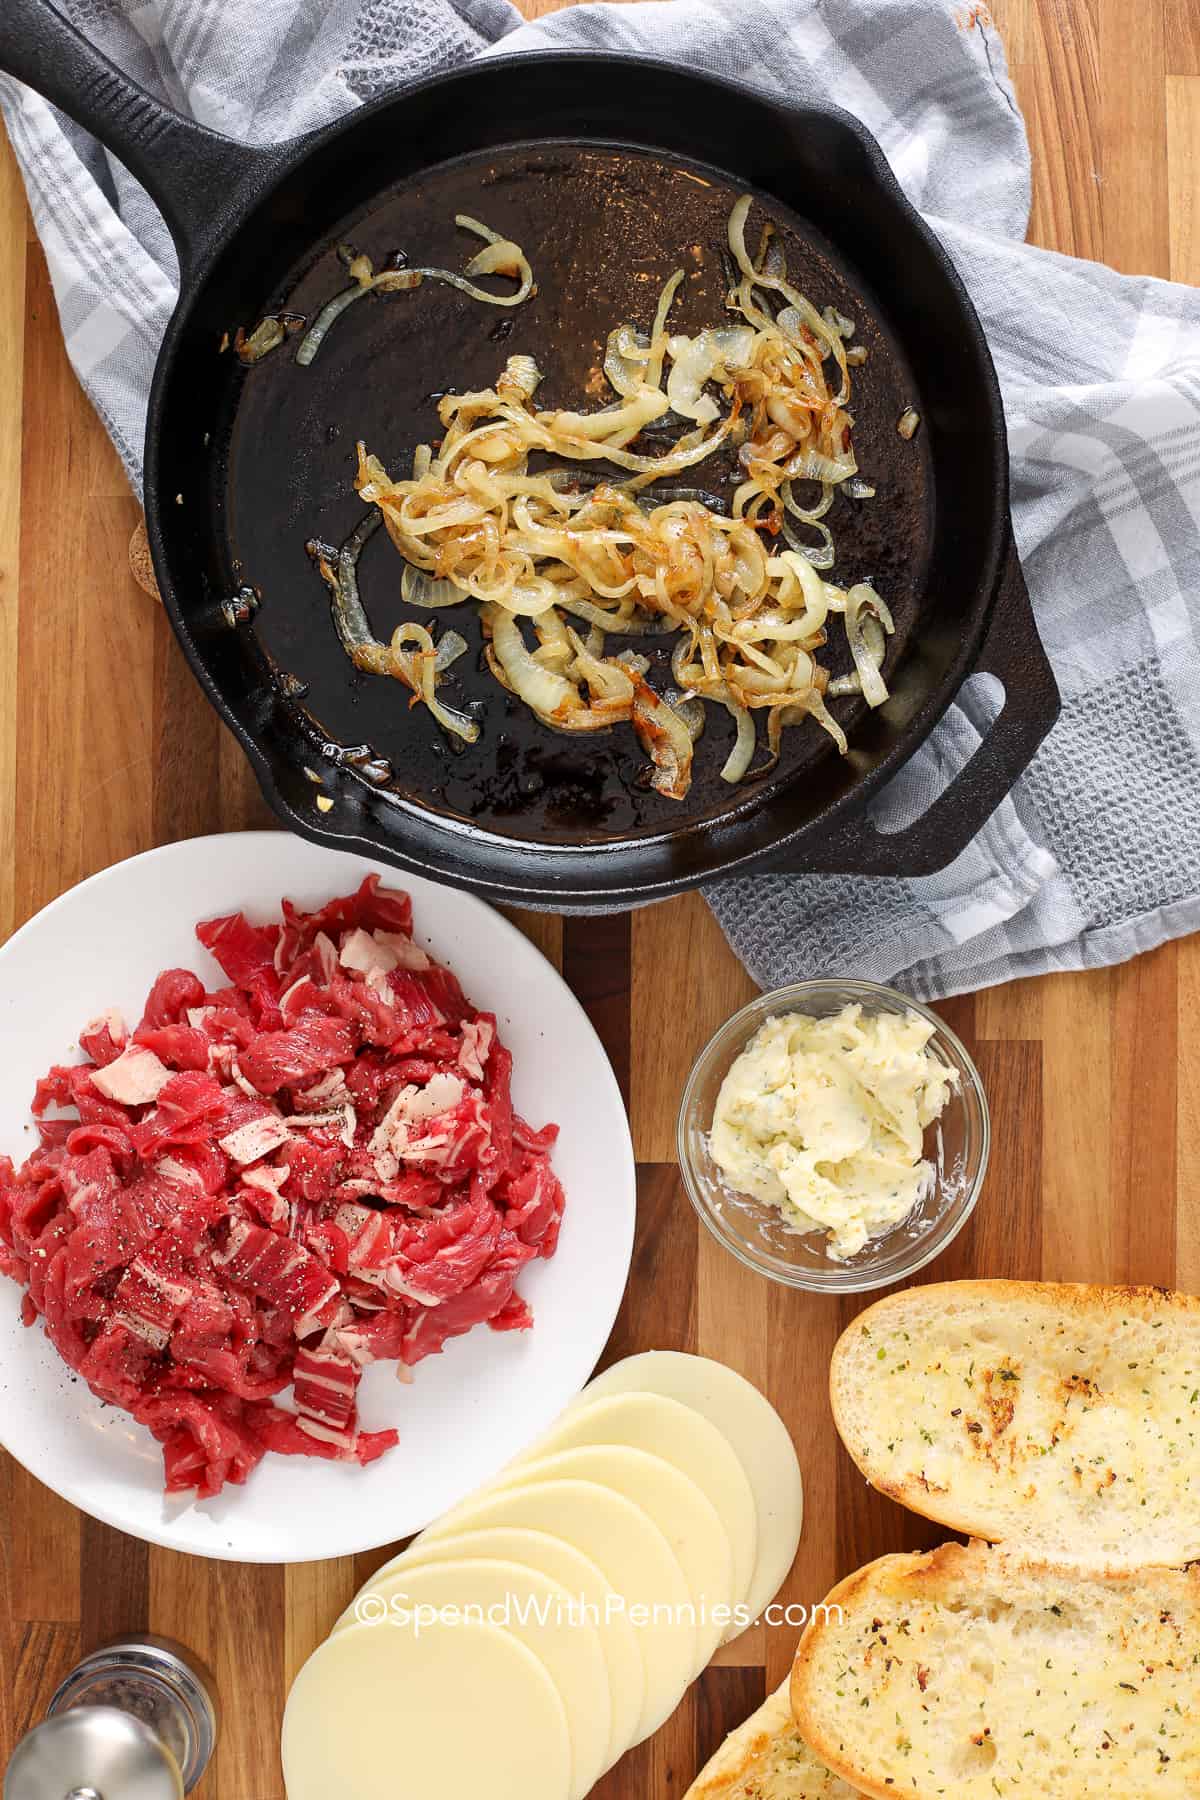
[192, 174]
[1012, 651]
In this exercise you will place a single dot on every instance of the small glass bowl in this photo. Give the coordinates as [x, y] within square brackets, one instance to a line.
[957, 1145]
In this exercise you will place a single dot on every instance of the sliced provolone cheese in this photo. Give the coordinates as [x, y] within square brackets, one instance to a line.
[682, 1437]
[583, 1580]
[756, 1433]
[633, 1554]
[540, 1612]
[458, 1712]
[687, 1520]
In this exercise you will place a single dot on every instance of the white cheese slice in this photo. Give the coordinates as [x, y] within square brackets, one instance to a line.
[542, 1614]
[562, 1562]
[633, 1554]
[688, 1521]
[455, 1711]
[756, 1433]
[682, 1437]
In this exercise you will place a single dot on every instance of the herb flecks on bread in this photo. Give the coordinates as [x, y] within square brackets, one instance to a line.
[1066, 1418]
[975, 1672]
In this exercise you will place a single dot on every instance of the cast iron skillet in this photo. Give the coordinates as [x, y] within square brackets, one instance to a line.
[610, 172]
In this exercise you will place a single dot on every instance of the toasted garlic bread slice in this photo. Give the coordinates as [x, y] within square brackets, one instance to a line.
[767, 1759]
[1065, 1418]
[974, 1672]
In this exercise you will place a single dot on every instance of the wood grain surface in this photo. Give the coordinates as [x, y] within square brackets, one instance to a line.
[107, 748]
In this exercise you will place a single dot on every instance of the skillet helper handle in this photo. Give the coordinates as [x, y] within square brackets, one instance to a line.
[192, 174]
[1013, 652]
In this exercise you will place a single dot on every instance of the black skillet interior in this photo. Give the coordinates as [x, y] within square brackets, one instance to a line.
[603, 228]
[245, 465]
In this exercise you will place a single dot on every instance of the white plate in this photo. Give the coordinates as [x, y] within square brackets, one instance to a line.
[467, 1410]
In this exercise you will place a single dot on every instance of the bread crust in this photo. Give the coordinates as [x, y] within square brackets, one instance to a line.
[730, 1764]
[736, 1760]
[842, 1595]
[1092, 1304]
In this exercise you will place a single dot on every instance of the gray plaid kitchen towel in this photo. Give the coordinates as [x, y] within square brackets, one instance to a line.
[1096, 855]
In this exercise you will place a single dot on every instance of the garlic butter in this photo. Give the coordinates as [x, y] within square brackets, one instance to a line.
[825, 1119]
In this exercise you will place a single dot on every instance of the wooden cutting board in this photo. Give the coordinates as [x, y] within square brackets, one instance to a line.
[106, 748]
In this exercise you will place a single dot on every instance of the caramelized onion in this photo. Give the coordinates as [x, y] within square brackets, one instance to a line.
[417, 669]
[366, 282]
[742, 754]
[666, 740]
[544, 692]
[419, 589]
[481, 519]
[498, 257]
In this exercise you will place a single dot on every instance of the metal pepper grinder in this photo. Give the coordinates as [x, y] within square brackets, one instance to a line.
[135, 1720]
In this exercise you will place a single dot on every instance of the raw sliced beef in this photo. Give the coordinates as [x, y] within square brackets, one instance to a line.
[273, 1184]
